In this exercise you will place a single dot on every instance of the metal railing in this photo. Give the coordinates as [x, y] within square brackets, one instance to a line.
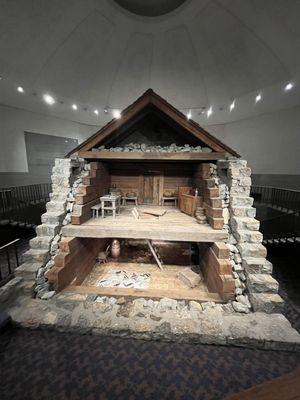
[9, 260]
[279, 198]
[17, 200]
[282, 229]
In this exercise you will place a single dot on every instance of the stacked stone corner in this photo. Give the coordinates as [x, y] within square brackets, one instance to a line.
[255, 286]
[39, 259]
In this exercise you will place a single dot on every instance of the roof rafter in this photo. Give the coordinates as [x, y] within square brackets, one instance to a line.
[150, 98]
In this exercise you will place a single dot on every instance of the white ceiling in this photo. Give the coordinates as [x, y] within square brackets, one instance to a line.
[95, 53]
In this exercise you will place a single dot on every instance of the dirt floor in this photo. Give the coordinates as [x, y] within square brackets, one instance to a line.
[135, 273]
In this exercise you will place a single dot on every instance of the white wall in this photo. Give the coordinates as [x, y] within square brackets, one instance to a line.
[14, 122]
[270, 142]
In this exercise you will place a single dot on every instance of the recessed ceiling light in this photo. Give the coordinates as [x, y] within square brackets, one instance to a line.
[189, 115]
[258, 98]
[288, 86]
[74, 106]
[232, 105]
[48, 99]
[105, 110]
[116, 114]
[209, 112]
[20, 89]
[96, 112]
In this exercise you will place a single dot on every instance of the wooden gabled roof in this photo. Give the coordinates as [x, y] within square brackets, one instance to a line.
[150, 98]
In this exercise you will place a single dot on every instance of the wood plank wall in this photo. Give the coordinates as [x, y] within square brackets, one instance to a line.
[216, 269]
[212, 202]
[128, 177]
[75, 260]
[92, 187]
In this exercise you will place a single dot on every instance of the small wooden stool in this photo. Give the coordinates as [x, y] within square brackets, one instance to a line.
[171, 198]
[133, 198]
[95, 209]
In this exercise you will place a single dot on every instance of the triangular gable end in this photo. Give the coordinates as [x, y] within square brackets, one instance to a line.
[150, 98]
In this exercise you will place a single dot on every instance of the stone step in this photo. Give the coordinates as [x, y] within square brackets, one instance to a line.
[59, 196]
[62, 169]
[269, 303]
[62, 181]
[238, 172]
[237, 190]
[62, 161]
[40, 242]
[257, 266]
[248, 236]
[52, 218]
[238, 211]
[56, 206]
[261, 283]
[11, 289]
[256, 250]
[28, 270]
[27, 287]
[47, 229]
[36, 255]
[244, 223]
[241, 201]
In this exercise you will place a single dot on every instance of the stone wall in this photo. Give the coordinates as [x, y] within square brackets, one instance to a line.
[39, 259]
[255, 287]
[142, 147]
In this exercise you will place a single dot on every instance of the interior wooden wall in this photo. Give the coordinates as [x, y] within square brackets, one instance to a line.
[129, 177]
[75, 260]
[93, 186]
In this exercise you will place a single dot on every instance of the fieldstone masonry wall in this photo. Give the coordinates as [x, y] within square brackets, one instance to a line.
[39, 259]
[254, 284]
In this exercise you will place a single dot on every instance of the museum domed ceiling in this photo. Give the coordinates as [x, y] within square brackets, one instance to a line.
[219, 60]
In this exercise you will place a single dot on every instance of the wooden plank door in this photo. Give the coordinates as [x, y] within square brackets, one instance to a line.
[152, 188]
[148, 182]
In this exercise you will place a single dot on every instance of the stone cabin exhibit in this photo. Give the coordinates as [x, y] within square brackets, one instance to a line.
[151, 218]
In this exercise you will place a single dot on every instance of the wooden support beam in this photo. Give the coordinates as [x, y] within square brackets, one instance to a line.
[132, 155]
[154, 254]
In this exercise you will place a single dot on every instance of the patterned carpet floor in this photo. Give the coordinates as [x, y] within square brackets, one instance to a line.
[44, 364]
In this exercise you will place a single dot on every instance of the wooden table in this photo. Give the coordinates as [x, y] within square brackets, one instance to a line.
[172, 198]
[114, 204]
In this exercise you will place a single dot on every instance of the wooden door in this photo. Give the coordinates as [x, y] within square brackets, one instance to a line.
[152, 188]
[148, 182]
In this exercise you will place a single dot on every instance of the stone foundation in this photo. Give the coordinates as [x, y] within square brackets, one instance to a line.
[167, 319]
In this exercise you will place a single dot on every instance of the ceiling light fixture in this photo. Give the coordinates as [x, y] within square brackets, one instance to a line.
[20, 89]
[209, 112]
[74, 106]
[48, 99]
[288, 86]
[96, 112]
[258, 98]
[232, 106]
[117, 114]
[105, 110]
[189, 115]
